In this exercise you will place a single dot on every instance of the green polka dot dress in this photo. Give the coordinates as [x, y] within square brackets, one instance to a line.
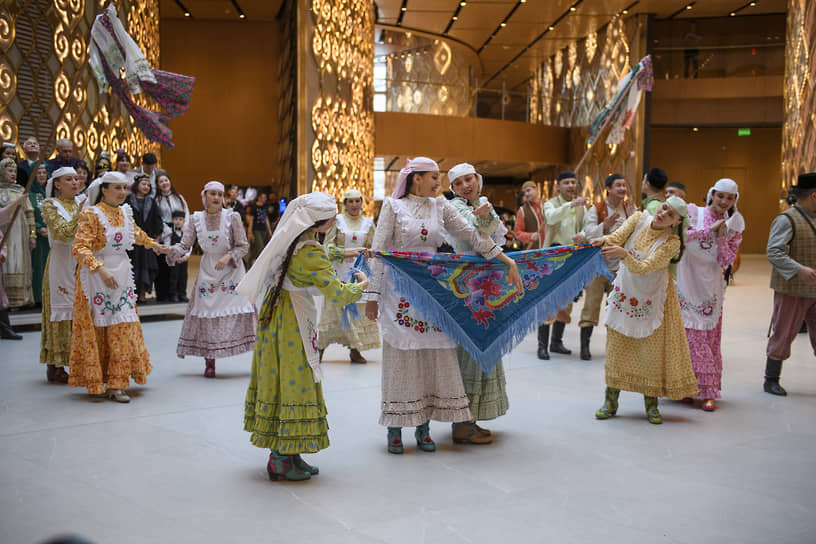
[284, 407]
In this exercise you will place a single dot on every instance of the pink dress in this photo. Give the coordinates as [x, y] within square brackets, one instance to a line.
[701, 289]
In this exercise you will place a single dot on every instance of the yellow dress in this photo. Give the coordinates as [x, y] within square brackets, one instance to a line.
[658, 365]
[104, 355]
[55, 340]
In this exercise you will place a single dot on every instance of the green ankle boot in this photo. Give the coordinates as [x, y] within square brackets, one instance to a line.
[304, 466]
[395, 440]
[651, 410]
[610, 406]
[423, 437]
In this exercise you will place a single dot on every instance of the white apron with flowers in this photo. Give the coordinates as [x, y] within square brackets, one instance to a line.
[61, 271]
[215, 292]
[118, 305]
[700, 281]
[354, 239]
[635, 305]
[403, 327]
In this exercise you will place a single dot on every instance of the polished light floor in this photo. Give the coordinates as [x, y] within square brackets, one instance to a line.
[174, 465]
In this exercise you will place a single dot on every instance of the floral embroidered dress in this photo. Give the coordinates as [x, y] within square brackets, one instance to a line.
[61, 216]
[219, 322]
[421, 378]
[487, 395]
[107, 346]
[701, 289]
[362, 333]
[651, 355]
[284, 408]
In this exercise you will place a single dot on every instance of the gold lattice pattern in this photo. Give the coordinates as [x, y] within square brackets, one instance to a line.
[50, 92]
[342, 115]
[799, 130]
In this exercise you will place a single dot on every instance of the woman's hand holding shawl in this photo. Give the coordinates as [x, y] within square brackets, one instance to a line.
[513, 276]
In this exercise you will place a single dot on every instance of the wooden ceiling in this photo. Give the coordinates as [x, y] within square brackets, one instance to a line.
[508, 54]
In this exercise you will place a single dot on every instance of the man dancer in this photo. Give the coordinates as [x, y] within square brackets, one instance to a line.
[529, 229]
[653, 189]
[601, 219]
[675, 188]
[564, 216]
[792, 252]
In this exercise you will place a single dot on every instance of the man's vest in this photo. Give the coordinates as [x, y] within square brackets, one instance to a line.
[802, 250]
[532, 224]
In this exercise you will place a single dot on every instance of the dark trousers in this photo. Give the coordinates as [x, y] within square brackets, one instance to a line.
[172, 280]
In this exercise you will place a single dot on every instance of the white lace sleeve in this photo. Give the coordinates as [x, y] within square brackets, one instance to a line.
[383, 241]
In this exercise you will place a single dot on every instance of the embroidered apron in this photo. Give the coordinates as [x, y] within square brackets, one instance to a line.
[700, 281]
[61, 272]
[215, 292]
[635, 304]
[403, 327]
[306, 314]
[112, 306]
[354, 239]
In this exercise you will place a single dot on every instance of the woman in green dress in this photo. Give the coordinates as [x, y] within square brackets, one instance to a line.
[284, 409]
[39, 255]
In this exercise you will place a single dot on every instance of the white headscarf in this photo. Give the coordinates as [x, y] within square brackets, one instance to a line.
[300, 214]
[96, 185]
[463, 169]
[679, 205]
[58, 173]
[419, 164]
[735, 222]
[217, 185]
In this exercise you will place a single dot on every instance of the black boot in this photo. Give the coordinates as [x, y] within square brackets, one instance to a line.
[543, 340]
[556, 345]
[803, 330]
[6, 332]
[586, 333]
[773, 369]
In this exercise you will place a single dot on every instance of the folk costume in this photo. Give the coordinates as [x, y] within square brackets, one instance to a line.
[6, 332]
[107, 346]
[39, 255]
[61, 217]
[284, 409]
[420, 376]
[487, 394]
[219, 322]
[701, 288]
[646, 347]
[529, 221]
[17, 272]
[791, 246]
[361, 334]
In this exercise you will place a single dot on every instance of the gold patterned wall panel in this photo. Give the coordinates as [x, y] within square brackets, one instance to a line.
[341, 114]
[799, 129]
[572, 87]
[50, 92]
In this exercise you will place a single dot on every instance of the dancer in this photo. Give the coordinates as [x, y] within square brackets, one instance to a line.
[284, 409]
[712, 241]
[39, 255]
[60, 212]
[792, 252]
[487, 394]
[646, 347]
[107, 346]
[6, 332]
[351, 234]
[21, 238]
[420, 376]
[219, 322]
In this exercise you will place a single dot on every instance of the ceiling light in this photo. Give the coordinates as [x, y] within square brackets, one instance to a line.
[552, 27]
[463, 4]
[573, 8]
[732, 14]
[695, 129]
[689, 6]
[753, 4]
[503, 25]
[242, 16]
[403, 9]
[454, 18]
[625, 11]
[186, 13]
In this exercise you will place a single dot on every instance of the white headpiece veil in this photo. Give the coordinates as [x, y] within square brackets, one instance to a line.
[300, 214]
[58, 173]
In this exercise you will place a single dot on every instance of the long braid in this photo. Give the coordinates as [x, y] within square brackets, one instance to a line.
[276, 292]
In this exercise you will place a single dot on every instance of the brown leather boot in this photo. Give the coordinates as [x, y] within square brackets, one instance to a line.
[467, 433]
[356, 357]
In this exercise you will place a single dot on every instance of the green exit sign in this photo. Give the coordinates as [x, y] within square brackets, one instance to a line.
[743, 132]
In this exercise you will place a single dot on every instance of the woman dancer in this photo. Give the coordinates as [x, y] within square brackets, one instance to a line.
[487, 395]
[39, 255]
[713, 240]
[167, 200]
[60, 212]
[284, 408]
[351, 234]
[219, 322]
[107, 346]
[646, 348]
[22, 237]
[146, 215]
[421, 379]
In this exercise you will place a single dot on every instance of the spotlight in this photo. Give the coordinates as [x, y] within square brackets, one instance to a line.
[573, 8]
[186, 13]
[689, 6]
[503, 25]
[732, 14]
[454, 18]
[551, 27]
[403, 8]
[463, 4]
